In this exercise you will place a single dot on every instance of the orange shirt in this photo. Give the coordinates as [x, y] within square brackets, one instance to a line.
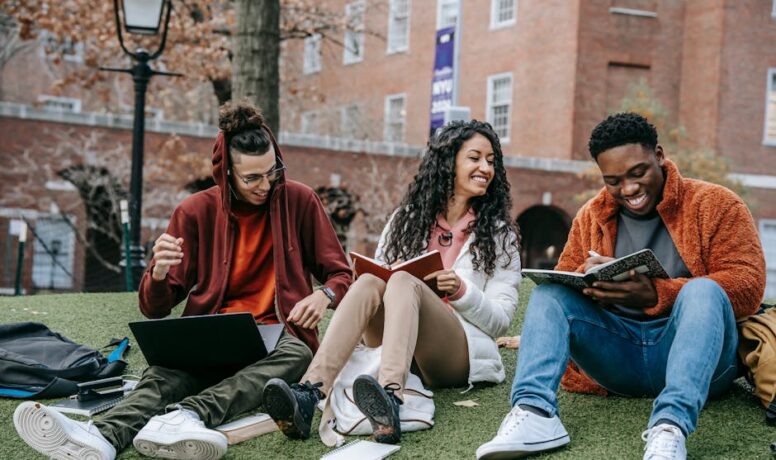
[251, 285]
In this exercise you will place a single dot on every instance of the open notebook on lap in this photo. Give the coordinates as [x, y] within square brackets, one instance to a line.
[227, 342]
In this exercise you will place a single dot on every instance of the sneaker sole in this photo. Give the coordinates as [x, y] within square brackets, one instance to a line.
[41, 428]
[281, 405]
[193, 449]
[372, 401]
[521, 450]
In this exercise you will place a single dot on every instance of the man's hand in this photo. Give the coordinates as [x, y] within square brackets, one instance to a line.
[638, 292]
[168, 251]
[591, 262]
[308, 312]
[447, 281]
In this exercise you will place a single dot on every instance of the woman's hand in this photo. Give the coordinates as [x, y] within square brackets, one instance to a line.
[168, 251]
[447, 281]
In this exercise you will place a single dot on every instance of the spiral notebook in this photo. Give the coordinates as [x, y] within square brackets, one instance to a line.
[361, 450]
[88, 408]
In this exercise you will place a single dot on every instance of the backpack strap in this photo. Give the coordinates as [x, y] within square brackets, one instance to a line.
[770, 413]
[116, 363]
[55, 389]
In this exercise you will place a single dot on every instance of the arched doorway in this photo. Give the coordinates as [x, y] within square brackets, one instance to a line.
[544, 230]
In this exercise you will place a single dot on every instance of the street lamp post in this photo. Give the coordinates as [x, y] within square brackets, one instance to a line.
[140, 17]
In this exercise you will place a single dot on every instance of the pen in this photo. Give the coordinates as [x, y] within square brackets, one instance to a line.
[593, 253]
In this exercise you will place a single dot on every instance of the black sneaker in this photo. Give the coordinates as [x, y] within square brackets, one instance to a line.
[292, 408]
[381, 406]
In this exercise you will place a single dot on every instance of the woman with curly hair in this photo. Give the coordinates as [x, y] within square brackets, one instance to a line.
[458, 204]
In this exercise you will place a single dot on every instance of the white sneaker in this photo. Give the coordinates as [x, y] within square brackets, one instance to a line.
[180, 434]
[56, 436]
[664, 442]
[524, 433]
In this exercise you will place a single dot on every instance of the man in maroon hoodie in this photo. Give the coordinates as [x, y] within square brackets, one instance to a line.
[250, 244]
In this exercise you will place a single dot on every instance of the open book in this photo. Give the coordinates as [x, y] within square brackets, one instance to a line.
[361, 450]
[643, 262]
[418, 267]
[247, 428]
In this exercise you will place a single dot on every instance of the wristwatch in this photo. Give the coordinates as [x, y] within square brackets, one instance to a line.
[330, 294]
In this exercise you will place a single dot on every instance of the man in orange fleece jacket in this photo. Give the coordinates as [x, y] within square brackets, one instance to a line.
[673, 339]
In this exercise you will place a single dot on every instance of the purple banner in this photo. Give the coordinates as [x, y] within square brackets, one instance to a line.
[442, 83]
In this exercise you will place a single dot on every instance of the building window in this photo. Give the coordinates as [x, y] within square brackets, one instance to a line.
[354, 32]
[395, 117]
[500, 104]
[59, 104]
[309, 123]
[773, 9]
[350, 118]
[768, 238]
[447, 13]
[65, 47]
[503, 13]
[399, 26]
[52, 263]
[312, 54]
[769, 136]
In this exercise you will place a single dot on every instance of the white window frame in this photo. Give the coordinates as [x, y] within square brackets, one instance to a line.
[46, 99]
[394, 17]
[494, 13]
[773, 9]
[350, 55]
[309, 122]
[42, 263]
[489, 104]
[770, 90]
[311, 61]
[440, 5]
[770, 270]
[389, 121]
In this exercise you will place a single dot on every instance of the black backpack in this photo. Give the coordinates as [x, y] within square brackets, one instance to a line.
[38, 363]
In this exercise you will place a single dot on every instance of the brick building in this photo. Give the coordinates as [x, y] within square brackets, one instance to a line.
[543, 72]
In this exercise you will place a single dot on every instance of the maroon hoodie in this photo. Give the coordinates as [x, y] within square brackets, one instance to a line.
[304, 244]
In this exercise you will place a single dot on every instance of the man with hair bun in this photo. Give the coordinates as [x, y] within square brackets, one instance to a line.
[672, 339]
[251, 243]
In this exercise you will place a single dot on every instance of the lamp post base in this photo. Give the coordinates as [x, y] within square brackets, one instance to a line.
[137, 263]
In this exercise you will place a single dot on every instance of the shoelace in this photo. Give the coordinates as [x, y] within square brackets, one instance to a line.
[312, 388]
[512, 420]
[391, 389]
[662, 441]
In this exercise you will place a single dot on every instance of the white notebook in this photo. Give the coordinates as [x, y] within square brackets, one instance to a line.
[361, 450]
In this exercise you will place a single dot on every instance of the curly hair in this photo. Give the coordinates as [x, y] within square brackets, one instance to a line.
[622, 129]
[431, 190]
[244, 128]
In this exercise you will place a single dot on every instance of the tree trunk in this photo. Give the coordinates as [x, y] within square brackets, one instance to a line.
[255, 72]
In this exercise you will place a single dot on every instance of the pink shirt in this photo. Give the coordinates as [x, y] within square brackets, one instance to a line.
[449, 241]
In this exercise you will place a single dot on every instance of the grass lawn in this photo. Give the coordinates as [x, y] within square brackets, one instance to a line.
[600, 428]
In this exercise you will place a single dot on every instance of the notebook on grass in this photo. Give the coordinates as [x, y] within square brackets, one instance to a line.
[643, 262]
[89, 407]
[418, 267]
[361, 450]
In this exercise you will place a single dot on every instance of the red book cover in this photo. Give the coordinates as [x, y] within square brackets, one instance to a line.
[418, 267]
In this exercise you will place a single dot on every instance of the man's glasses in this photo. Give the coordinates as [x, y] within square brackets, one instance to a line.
[253, 179]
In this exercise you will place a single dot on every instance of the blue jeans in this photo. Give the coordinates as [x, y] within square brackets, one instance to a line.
[681, 359]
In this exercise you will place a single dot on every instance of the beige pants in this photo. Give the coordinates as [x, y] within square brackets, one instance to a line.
[408, 320]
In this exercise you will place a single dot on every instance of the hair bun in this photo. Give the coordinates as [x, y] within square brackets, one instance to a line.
[234, 117]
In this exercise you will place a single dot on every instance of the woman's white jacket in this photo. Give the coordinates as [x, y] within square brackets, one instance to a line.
[485, 310]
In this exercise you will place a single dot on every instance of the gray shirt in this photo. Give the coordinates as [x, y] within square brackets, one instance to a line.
[637, 233]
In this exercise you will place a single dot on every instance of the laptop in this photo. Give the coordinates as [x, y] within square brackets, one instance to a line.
[226, 342]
